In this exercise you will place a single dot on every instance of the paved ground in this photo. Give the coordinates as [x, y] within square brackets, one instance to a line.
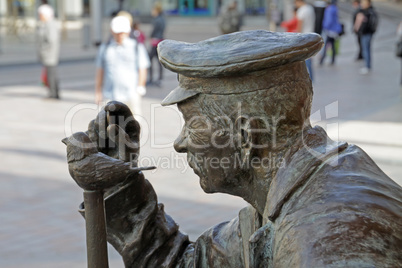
[39, 225]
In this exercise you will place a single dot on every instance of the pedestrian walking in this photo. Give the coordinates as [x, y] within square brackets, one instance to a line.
[230, 19]
[157, 35]
[357, 10]
[48, 47]
[306, 24]
[291, 25]
[137, 33]
[332, 29]
[399, 49]
[366, 24]
[122, 65]
[129, 17]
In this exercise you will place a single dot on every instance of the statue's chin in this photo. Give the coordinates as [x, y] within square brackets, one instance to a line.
[206, 187]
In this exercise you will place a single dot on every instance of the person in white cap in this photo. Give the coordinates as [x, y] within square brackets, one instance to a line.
[121, 67]
[48, 47]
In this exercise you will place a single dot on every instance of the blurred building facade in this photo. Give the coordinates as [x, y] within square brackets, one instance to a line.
[27, 8]
[78, 8]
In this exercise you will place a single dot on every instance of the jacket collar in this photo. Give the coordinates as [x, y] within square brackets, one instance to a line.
[314, 148]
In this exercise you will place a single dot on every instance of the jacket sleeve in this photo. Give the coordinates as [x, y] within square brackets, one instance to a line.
[145, 236]
[328, 18]
[220, 246]
[139, 229]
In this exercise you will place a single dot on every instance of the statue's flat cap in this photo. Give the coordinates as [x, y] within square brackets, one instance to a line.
[237, 53]
[228, 64]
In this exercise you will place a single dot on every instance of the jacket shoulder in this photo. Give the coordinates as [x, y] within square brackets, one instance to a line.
[349, 213]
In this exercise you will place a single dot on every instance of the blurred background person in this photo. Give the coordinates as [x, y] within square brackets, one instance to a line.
[366, 25]
[136, 32]
[357, 9]
[19, 7]
[122, 65]
[48, 48]
[291, 25]
[399, 51]
[306, 24]
[128, 16]
[157, 35]
[332, 28]
[230, 19]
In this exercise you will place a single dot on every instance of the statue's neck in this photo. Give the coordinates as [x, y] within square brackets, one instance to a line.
[261, 176]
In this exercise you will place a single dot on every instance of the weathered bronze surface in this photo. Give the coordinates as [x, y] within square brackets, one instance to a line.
[314, 202]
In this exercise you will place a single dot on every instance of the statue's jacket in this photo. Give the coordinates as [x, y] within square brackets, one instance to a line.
[329, 205]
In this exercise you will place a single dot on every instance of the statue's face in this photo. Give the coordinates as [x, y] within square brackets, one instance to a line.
[210, 148]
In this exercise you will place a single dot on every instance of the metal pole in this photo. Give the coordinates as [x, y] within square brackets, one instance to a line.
[86, 34]
[288, 9]
[61, 8]
[1, 25]
[121, 5]
[268, 13]
[95, 229]
[96, 18]
[274, 15]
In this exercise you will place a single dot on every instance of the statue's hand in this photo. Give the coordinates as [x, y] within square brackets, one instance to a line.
[115, 132]
[93, 170]
[106, 154]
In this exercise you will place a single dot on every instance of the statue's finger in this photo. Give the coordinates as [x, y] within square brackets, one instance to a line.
[92, 132]
[116, 107]
[119, 113]
[100, 131]
[125, 148]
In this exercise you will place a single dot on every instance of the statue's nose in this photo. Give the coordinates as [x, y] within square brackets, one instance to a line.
[180, 144]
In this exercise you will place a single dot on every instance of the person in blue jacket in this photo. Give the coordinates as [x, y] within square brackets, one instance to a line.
[332, 28]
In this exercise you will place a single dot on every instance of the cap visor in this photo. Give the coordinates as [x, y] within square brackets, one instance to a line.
[178, 95]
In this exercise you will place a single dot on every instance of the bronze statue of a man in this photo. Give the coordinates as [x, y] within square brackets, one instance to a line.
[246, 99]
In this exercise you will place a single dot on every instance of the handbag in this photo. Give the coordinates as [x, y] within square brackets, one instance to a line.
[399, 48]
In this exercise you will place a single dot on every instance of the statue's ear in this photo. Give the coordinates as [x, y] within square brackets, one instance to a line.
[244, 137]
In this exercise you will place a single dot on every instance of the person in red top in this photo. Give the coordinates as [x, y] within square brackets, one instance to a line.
[137, 33]
[291, 25]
